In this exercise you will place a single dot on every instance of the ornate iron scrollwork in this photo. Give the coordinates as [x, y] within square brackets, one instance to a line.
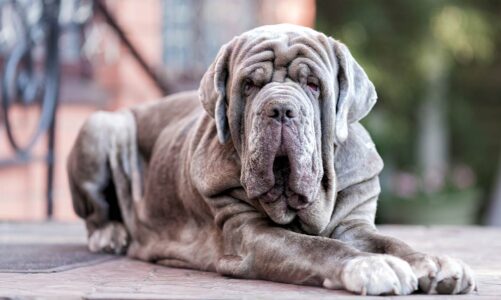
[29, 53]
[30, 78]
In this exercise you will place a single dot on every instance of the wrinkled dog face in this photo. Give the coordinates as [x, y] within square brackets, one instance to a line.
[281, 156]
[285, 95]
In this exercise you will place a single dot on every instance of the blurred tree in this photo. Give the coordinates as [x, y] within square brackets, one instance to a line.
[437, 69]
[494, 213]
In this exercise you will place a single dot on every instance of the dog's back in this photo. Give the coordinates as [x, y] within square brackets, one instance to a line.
[153, 117]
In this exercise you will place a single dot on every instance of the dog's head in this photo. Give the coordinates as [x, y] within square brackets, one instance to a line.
[285, 96]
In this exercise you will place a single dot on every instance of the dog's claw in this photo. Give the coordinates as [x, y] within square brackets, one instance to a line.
[446, 286]
[364, 291]
[442, 274]
[396, 291]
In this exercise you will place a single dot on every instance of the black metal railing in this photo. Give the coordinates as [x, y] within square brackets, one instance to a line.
[30, 74]
[30, 79]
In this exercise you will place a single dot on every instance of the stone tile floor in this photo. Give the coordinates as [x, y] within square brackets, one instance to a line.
[129, 279]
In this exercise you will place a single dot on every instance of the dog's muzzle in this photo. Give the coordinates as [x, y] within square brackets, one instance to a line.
[282, 165]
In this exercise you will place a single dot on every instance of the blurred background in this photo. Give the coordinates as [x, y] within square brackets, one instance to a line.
[436, 66]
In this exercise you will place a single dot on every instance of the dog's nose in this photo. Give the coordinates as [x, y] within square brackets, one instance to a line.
[281, 111]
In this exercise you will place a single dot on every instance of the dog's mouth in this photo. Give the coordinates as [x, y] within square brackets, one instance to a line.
[281, 169]
[281, 191]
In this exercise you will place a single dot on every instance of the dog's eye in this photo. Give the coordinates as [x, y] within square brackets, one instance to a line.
[249, 86]
[313, 87]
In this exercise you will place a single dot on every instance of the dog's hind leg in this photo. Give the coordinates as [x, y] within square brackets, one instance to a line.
[99, 171]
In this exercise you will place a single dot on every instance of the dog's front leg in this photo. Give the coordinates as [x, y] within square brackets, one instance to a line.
[255, 248]
[437, 274]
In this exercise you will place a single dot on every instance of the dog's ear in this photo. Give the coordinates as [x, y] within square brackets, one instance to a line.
[212, 92]
[357, 94]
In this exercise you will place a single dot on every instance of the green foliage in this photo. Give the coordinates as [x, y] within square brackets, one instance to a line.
[399, 42]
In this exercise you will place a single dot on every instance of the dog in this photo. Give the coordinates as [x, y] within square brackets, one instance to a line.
[265, 173]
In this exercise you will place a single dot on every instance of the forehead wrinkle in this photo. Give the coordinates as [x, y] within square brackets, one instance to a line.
[282, 48]
[259, 57]
[269, 43]
[278, 44]
[331, 59]
[318, 49]
[304, 52]
[283, 53]
[243, 47]
[299, 46]
[313, 66]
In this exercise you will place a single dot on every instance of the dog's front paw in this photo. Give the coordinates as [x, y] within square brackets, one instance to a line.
[111, 238]
[375, 275]
[442, 274]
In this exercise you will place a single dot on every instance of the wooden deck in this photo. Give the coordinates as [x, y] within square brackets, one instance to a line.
[128, 279]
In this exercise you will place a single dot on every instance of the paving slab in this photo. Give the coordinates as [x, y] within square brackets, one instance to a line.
[124, 278]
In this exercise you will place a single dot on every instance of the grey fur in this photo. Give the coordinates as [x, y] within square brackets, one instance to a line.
[269, 178]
